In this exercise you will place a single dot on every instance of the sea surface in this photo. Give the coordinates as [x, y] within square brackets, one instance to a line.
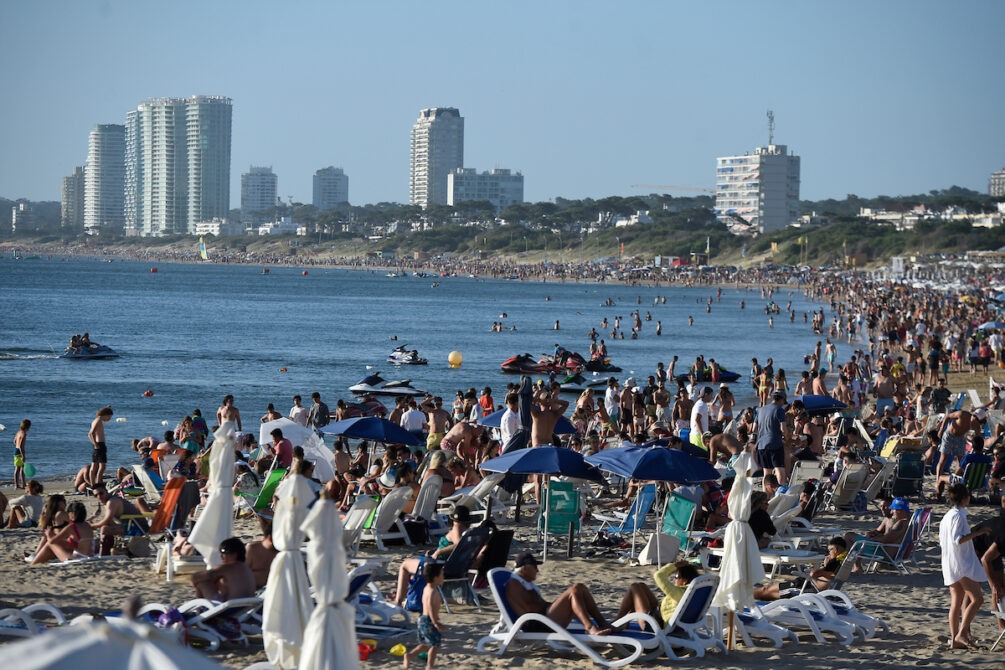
[192, 333]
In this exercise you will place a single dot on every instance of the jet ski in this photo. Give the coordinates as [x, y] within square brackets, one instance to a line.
[599, 365]
[404, 356]
[376, 385]
[366, 406]
[92, 351]
[706, 376]
[525, 364]
[577, 383]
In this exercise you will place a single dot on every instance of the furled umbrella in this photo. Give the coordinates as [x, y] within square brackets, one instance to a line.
[330, 635]
[741, 565]
[216, 523]
[287, 599]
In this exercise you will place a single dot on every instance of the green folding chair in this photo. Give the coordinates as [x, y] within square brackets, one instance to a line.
[678, 518]
[563, 509]
[269, 489]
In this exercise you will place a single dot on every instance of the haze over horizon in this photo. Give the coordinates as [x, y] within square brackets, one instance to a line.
[584, 98]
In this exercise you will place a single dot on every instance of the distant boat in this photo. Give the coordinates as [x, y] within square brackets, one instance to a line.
[202, 250]
[17, 254]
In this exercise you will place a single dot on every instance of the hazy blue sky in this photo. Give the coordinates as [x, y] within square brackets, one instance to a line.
[585, 98]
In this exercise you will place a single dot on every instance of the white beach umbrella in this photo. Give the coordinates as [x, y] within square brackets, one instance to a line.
[330, 636]
[741, 558]
[115, 644]
[287, 603]
[314, 446]
[216, 523]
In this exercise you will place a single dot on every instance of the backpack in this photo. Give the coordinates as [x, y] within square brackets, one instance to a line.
[413, 597]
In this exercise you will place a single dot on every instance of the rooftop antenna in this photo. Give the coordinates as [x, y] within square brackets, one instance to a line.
[771, 127]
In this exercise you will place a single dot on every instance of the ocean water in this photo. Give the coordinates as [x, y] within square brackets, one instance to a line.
[194, 333]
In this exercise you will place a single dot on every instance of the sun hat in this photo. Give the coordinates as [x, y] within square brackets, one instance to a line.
[388, 477]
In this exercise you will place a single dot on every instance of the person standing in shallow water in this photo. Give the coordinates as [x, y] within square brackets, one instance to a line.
[20, 456]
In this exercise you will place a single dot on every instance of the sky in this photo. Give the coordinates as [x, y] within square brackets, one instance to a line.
[585, 98]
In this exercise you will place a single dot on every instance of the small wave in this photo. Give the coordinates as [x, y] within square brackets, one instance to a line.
[12, 356]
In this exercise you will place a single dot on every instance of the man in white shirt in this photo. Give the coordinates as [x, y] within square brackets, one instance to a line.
[612, 397]
[298, 412]
[699, 417]
[414, 420]
[510, 423]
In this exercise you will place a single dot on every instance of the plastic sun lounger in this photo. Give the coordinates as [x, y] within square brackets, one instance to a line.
[30, 621]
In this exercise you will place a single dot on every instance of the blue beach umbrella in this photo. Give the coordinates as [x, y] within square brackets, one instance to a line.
[372, 428]
[820, 405]
[543, 461]
[992, 325]
[494, 420]
[654, 463]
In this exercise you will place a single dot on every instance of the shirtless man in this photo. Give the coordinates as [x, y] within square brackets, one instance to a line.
[228, 412]
[168, 444]
[259, 556]
[437, 420]
[661, 398]
[820, 383]
[883, 388]
[576, 601]
[110, 524]
[463, 439]
[954, 429]
[890, 530]
[544, 414]
[233, 579]
[99, 456]
[724, 444]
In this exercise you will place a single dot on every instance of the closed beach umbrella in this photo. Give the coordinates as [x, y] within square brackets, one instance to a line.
[115, 644]
[216, 523]
[287, 599]
[741, 558]
[330, 636]
[372, 428]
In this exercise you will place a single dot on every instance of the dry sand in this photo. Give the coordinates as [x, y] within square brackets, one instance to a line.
[915, 606]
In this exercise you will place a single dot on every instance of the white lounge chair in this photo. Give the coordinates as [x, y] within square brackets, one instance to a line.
[355, 519]
[425, 506]
[30, 621]
[386, 524]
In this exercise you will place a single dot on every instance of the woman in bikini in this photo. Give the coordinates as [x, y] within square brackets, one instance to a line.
[53, 520]
[75, 539]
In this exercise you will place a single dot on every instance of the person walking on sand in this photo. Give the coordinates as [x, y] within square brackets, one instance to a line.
[99, 454]
[429, 627]
[962, 571]
[228, 412]
[20, 457]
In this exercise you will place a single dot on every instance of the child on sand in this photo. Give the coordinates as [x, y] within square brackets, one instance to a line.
[429, 627]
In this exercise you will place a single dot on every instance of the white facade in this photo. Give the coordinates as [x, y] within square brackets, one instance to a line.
[177, 164]
[331, 188]
[284, 226]
[259, 187]
[104, 179]
[500, 187]
[218, 227]
[762, 188]
[72, 211]
[996, 184]
[437, 150]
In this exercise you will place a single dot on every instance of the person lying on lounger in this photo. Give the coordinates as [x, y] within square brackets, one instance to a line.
[576, 601]
[233, 579]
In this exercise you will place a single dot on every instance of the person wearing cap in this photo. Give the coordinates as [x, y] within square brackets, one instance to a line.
[460, 521]
[890, 530]
[700, 414]
[576, 602]
[954, 429]
[975, 457]
[773, 434]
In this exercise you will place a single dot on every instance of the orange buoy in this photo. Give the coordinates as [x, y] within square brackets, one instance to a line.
[153, 269]
[282, 369]
[148, 393]
[304, 273]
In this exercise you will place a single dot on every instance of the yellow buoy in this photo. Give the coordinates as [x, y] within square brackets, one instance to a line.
[455, 359]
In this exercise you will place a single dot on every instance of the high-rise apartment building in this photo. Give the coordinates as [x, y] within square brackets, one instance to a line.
[259, 187]
[331, 188]
[437, 150]
[104, 179]
[500, 187]
[762, 188]
[177, 164]
[72, 212]
[996, 184]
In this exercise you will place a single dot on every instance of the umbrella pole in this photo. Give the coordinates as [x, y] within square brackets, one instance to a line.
[635, 527]
[545, 515]
[730, 634]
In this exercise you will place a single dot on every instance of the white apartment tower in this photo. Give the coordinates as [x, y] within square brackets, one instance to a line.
[72, 211]
[177, 164]
[259, 187]
[500, 187]
[437, 150]
[996, 184]
[104, 179]
[331, 188]
[762, 188]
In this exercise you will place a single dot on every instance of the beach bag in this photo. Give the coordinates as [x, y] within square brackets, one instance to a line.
[417, 529]
[413, 597]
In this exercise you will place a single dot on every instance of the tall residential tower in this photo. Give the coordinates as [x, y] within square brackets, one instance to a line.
[259, 187]
[437, 150]
[331, 188]
[72, 212]
[177, 164]
[762, 188]
[104, 179]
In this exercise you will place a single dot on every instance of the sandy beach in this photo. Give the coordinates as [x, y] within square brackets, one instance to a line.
[915, 607]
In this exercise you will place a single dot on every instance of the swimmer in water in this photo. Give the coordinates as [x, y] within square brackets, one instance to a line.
[690, 321]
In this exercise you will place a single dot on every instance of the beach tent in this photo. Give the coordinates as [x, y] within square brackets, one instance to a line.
[741, 565]
[114, 644]
[287, 599]
[313, 445]
[330, 635]
[216, 523]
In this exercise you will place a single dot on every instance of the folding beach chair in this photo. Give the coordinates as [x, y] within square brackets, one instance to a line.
[909, 475]
[457, 568]
[631, 522]
[974, 477]
[678, 518]
[268, 491]
[562, 509]
[848, 485]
